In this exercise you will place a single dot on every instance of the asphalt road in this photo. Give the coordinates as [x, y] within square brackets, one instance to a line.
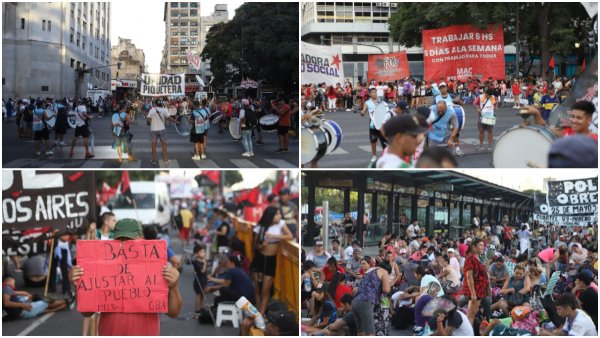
[222, 150]
[355, 150]
[69, 323]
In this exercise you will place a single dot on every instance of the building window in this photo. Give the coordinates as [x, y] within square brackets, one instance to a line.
[184, 5]
[22, 23]
[49, 26]
[83, 43]
[78, 63]
[194, 32]
[102, 56]
[174, 4]
[91, 48]
[193, 12]
[72, 63]
[72, 37]
[97, 74]
[78, 38]
[43, 25]
[194, 23]
[174, 33]
[193, 5]
[73, 10]
[97, 55]
[45, 88]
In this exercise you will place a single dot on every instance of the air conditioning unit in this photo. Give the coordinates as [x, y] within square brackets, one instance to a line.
[394, 5]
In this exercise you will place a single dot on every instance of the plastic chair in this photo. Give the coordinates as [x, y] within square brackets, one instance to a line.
[228, 311]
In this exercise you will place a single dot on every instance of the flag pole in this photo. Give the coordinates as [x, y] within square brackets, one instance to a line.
[49, 267]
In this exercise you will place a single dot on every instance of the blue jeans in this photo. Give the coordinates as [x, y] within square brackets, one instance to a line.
[36, 309]
[247, 140]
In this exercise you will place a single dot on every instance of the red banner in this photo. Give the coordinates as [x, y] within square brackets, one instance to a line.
[463, 51]
[253, 214]
[388, 67]
[122, 276]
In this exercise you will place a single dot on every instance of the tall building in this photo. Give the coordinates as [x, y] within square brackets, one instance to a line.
[55, 49]
[186, 30]
[127, 63]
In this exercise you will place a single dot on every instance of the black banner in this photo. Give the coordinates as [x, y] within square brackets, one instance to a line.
[26, 242]
[571, 202]
[58, 200]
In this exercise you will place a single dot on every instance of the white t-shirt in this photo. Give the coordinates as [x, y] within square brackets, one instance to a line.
[159, 116]
[79, 111]
[581, 326]
[412, 230]
[388, 160]
[455, 265]
[380, 90]
[349, 251]
[557, 85]
[465, 329]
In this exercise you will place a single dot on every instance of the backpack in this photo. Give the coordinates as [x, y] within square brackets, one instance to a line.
[250, 116]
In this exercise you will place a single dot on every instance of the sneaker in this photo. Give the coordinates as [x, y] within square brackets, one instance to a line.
[479, 148]
[62, 144]
[38, 153]
[89, 155]
[260, 142]
[374, 158]
[154, 163]
[285, 150]
[251, 154]
[280, 150]
[348, 109]
[203, 157]
[196, 158]
[246, 154]
[49, 152]
[458, 152]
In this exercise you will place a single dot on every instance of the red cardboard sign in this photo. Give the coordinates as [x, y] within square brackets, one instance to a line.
[463, 51]
[388, 67]
[122, 276]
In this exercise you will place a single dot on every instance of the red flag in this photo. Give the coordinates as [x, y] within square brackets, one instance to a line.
[280, 185]
[551, 64]
[213, 175]
[125, 187]
[251, 196]
[583, 66]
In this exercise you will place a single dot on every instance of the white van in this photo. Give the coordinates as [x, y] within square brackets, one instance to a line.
[153, 206]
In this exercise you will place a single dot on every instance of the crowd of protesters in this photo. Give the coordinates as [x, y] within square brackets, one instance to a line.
[497, 278]
[210, 247]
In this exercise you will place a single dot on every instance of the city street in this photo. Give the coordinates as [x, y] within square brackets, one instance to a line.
[222, 151]
[355, 150]
[69, 323]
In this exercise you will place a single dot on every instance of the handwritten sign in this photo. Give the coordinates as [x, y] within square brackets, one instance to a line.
[122, 276]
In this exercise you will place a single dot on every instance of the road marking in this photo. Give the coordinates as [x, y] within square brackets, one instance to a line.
[131, 164]
[92, 164]
[20, 163]
[368, 148]
[35, 324]
[340, 151]
[281, 163]
[206, 164]
[171, 164]
[241, 163]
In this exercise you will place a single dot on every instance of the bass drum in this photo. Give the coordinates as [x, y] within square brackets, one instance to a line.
[234, 129]
[523, 147]
[269, 122]
[458, 110]
[215, 117]
[378, 115]
[313, 144]
[333, 132]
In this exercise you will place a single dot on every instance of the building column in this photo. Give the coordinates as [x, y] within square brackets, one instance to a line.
[461, 208]
[360, 209]
[374, 215]
[346, 201]
[390, 211]
[311, 183]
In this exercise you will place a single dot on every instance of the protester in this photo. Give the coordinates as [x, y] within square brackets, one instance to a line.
[577, 322]
[199, 131]
[82, 129]
[156, 119]
[22, 304]
[120, 132]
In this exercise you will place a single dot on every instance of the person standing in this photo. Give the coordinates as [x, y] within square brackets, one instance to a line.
[283, 125]
[40, 129]
[374, 133]
[82, 129]
[61, 125]
[248, 121]
[156, 119]
[199, 132]
[374, 283]
[475, 287]
[289, 210]
[516, 91]
[548, 102]
[120, 131]
[486, 106]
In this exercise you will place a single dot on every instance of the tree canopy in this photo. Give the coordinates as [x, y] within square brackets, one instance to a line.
[268, 50]
[545, 28]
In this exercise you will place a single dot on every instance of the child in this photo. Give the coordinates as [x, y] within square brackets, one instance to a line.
[200, 279]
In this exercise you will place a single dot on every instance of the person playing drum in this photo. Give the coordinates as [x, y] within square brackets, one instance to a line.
[199, 132]
[445, 96]
[444, 126]
[486, 105]
[581, 117]
[308, 114]
[374, 133]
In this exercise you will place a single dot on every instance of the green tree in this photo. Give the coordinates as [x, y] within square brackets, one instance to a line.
[533, 191]
[232, 177]
[268, 50]
[544, 27]
[114, 177]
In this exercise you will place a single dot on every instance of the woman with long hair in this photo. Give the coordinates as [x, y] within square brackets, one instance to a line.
[476, 278]
[268, 234]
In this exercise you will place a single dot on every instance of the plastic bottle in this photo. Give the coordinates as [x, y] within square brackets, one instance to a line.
[307, 284]
[251, 311]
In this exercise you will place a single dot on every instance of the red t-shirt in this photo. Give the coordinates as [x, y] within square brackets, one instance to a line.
[341, 290]
[285, 117]
[329, 274]
[516, 89]
[568, 131]
[479, 277]
[129, 324]
[462, 249]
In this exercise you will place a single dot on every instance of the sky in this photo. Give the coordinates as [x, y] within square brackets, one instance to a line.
[142, 22]
[522, 179]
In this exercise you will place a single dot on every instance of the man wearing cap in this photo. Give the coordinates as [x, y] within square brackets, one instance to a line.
[135, 324]
[586, 294]
[319, 256]
[278, 323]
[288, 210]
[576, 151]
[247, 123]
[444, 126]
[350, 249]
[353, 264]
[404, 133]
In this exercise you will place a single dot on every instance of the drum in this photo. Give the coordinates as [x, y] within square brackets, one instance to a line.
[378, 115]
[215, 117]
[71, 120]
[313, 144]
[234, 129]
[523, 147]
[333, 132]
[458, 110]
[269, 122]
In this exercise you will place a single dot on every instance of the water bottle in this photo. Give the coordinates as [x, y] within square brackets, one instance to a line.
[251, 311]
[426, 330]
[307, 284]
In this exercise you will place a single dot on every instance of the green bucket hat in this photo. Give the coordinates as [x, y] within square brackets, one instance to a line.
[128, 228]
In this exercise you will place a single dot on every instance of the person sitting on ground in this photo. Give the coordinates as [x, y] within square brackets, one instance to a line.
[278, 323]
[577, 323]
[587, 296]
[343, 326]
[498, 272]
[21, 304]
[452, 323]
[331, 267]
[325, 311]
[515, 291]
[319, 256]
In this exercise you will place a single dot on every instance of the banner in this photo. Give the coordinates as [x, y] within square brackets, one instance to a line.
[321, 64]
[122, 276]
[463, 51]
[388, 67]
[163, 85]
[571, 202]
[193, 60]
[26, 242]
[59, 200]
[249, 83]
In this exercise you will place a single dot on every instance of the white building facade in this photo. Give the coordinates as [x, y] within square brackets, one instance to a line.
[55, 49]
